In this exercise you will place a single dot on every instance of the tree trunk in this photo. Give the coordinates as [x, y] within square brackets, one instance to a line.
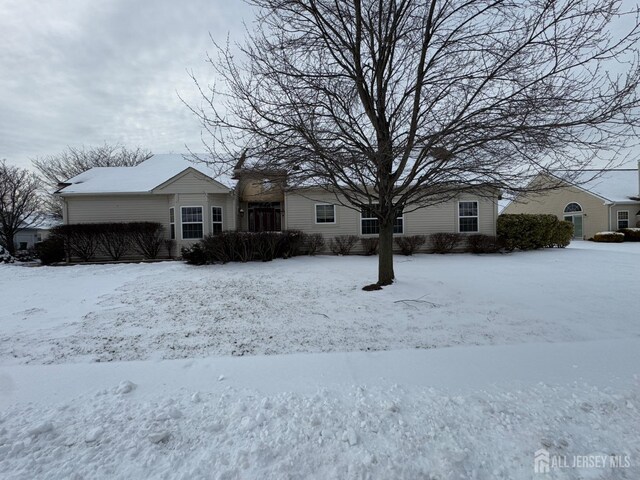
[385, 253]
[11, 246]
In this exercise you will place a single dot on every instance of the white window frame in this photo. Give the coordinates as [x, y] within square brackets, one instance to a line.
[315, 212]
[477, 216]
[221, 222]
[182, 223]
[401, 217]
[628, 219]
[172, 233]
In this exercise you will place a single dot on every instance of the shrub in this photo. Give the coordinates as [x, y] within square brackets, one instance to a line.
[526, 231]
[479, 243]
[630, 234]
[5, 256]
[80, 240]
[291, 241]
[195, 254]
[370, 245]
[266, 245]
[609, 237]
[25, 255]
[242, 246]
[410, 244]
[147, 238]
[343, 244]
[562, 234]
[445, 242]
[112, 239]
[314, 243]
[51, 250]
[115, 239]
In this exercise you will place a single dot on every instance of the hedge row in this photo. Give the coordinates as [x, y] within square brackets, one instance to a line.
[630, 234]
[231, 246]
[609, 237]
[234, 246]
[88, 241]
[529, 232]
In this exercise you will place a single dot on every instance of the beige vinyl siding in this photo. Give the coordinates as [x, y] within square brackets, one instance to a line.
[596, 218]
[190, 182]
[300, 215]
[633, 210]
[117, 208]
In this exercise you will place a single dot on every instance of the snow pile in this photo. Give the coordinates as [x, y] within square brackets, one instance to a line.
[356, 432]
[5, 257]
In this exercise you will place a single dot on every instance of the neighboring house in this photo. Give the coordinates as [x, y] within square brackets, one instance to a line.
[191, 201]
[593, 201]
[31, 234]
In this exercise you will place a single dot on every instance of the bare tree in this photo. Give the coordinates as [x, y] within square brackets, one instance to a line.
[20, 202]
[58, 168]
[395, 105]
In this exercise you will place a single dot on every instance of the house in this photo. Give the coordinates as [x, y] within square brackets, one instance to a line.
[191, 201]
[593, 200]
[32, 233]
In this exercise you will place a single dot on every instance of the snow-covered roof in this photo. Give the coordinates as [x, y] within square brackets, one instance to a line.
[45, 222]
[618, 185]
[139, 179]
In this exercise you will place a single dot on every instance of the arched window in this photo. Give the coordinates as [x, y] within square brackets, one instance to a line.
[572, 207]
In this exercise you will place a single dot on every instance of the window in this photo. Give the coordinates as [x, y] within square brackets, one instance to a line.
[623, 219]
[467, 217]
[370, 225]
[172, 223]
[325, 213]
[192, 224]
[216, 219]
[572, 207]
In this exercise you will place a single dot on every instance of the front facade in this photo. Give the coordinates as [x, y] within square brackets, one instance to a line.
[320, 212]
[594, 202]
[192, 202]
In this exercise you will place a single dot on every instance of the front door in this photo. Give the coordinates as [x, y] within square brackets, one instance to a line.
[264, 217]
[577, 224]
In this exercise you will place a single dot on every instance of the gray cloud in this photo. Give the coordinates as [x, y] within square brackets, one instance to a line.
[74, 72]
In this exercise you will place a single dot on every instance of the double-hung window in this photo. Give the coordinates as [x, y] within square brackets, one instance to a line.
[370, 225]
[325, 213]
[468, 217]
[192, 223]
[623, 219]
[216, 219]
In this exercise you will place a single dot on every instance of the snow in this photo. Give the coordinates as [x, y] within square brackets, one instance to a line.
[170, 371]
[313, 304]
[139, 179]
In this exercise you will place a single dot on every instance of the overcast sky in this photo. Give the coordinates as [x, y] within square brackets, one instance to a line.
[81, 72]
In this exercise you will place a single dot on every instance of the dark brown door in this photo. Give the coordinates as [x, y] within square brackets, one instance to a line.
[264, 217]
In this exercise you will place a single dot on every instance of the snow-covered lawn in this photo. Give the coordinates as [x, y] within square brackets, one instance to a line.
[545, 355]
[172, 310]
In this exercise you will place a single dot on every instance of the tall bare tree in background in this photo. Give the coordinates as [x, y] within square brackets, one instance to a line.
[394, 105]
[20, 202]
[54, 169]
